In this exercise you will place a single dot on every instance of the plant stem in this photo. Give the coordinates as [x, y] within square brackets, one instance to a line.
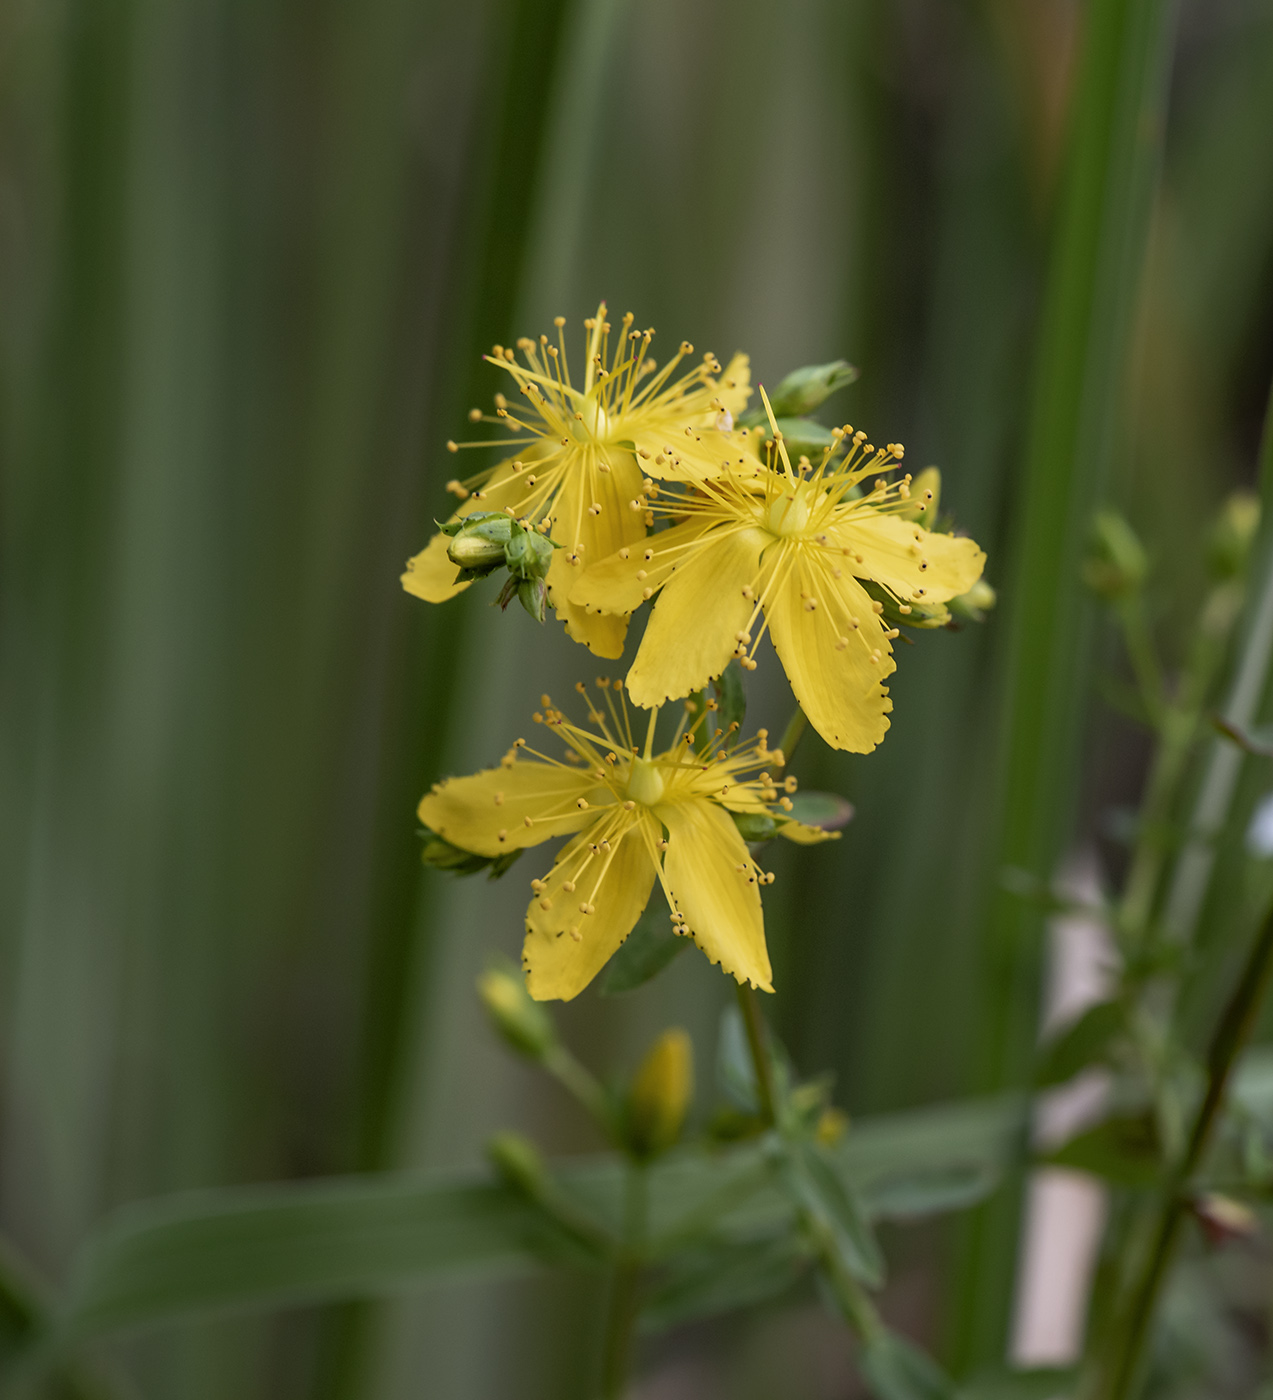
[583, 1086]
[792, 735]
[1129, 1337]
[754, 1024]
[625, 1289]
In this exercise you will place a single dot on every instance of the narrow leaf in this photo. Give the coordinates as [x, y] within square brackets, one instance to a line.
[1086, 1042]
[646, 951]
[896, 1369]
[818, 1187]
[718, 1279]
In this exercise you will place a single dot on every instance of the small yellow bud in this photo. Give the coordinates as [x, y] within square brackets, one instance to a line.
[661, 1094]
[524, 1025]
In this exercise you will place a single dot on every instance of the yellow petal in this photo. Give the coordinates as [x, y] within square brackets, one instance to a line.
[827, 659]
[711, 879]
[694, 628]
[804, 835]
[487, 812]
[588, 535]
[613, 586]
[905, 557]
[431, 575]
[734, 385]
[603, 634]
[616, 884]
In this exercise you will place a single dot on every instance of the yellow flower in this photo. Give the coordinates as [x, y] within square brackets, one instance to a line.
[634, 816]
[794, 545]
[584, 453]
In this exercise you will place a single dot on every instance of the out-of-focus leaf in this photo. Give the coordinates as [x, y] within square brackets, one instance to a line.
[728, 1275]
[827, 810]
[1038, 1383]
[913, 1195]
[1123, 1150]
[896, 1369]
[645, 952]
[823, 1191]
[734, 1071]
[367, 1236]
[1084, 1043]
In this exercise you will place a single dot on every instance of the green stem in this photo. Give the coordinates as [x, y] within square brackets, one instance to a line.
[1129, 1337]
[583, 1087]
[625, 1289]
[792, 735]
[754, 1025]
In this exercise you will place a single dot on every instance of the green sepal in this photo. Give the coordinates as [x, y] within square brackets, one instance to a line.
[755, 826]
[439, 854]
[732, 699]
[646, 951]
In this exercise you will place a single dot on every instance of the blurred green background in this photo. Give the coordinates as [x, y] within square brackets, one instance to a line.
[250, 251]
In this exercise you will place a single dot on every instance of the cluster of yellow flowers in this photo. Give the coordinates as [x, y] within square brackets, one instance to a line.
[649, 490]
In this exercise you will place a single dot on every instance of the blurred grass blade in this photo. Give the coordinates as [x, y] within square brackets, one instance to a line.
[1097, 252]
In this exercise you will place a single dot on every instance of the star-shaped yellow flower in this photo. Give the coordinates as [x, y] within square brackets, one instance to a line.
[634, 816]
[582, 455]
[794, 546]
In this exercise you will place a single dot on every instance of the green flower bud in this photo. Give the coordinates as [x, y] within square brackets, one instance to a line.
[661, 1094]
[1117, 564]
[478, 542]
[804, 389]
[523, 1024]
[802, 437]
[976, 603]
[1232, 535]
[518, 1162]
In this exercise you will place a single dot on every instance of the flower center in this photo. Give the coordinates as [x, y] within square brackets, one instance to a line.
[789, 514]
[595, 422]
[645, 782]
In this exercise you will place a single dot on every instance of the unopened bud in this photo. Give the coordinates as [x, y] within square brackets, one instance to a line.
[528, 554]
[518, 1162]
[524, 1025]
[1117, 564]
[804, 389]
[1232, 535]
[755, 826]
[1224, 1219]
[532, 594]
[976, 603]
[661, 1094]
[833, 1123]
[478, 541]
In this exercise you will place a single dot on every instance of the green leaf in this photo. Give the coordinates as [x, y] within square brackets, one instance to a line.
[730, 696]
[271, 1246]
[827, 810]
[1039, 1383]
[646, 951]
[913, 1195]
[1085, 1043]
[727, 1275]
[734, 1071]
[1125, 1151]
[819, 1186]
[896, 1369]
